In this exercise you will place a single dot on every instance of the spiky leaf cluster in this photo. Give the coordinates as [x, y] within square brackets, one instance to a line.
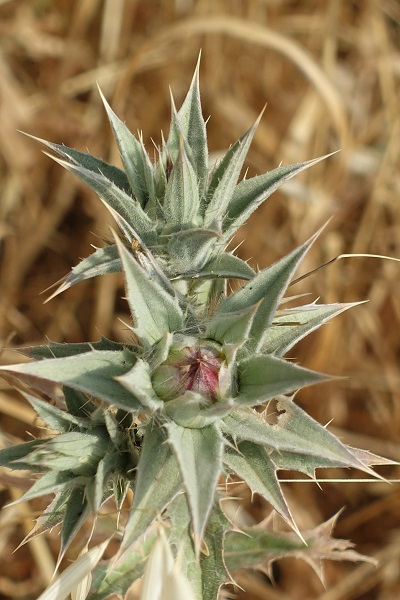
[204, 391]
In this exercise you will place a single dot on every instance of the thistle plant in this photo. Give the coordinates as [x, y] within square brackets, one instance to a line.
[200, 392]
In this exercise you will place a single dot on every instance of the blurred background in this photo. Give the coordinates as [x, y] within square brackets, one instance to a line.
[329, 73]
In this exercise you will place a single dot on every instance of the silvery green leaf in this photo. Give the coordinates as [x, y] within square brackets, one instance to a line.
[181, 541]
[218, 170]
[115, 577]
[49, 483]
[316, 439]
[293, 431]
[193, 128]
[113, 429]
[97, 486]
[250, 193]
[199, 453]
[225, 265]
[189, 410]
[268, 285]
[154, 310]
[76, 511]
[138, 381]
[209, 573]
[101, 262]
[255, 547]
[91, 372]
[225, 177]
[303, 463]
[181, 200]
[271, 281]
[252, 463]
[62, 350]
[280, 274]
[213, 565]
[293, 324]
[262, 377]
[189, 251]
[258, 547]
[116, 199]
[160, 352]
[176, 137]
[77, 404]
[52, 516]
[89, 162]
[231, 327]
[54, 418]
[12, 456]
[136, 163]
[158, 481]
[75, 452]
[120, 487]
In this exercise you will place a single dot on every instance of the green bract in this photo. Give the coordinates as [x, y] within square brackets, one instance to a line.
[184, 406]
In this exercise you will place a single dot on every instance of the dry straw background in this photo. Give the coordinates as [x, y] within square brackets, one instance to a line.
[329, 72]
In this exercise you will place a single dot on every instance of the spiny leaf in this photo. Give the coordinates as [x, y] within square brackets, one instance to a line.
[252, 464]
[181, 199]
[154, 310]
[293, 432]
[17, 452]
[101, 262]
[77, 404]
[89, 162]
[262, 377]
[258, 547]
[55, 418]
[62, 350]
[176, 137]
[91, 372]
[74, 452]
[213, 566]
[181, 540]
[136, 162]
[255, 548]
[225, 266]
[194, 129]
[49, 483]
[199, 453]
[115, 577]
[189, 250]
[119, 201]
[249, 194]
[268, 285]
[76, 511]
[138, 381]
[231, 327]
[52, 516]
[158, 481]
[97, 486]
[294, 324]
[225, 178]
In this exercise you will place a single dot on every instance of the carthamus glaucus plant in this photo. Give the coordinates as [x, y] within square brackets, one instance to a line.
[200, 392]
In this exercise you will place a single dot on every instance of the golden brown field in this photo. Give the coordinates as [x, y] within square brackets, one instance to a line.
[329, 72]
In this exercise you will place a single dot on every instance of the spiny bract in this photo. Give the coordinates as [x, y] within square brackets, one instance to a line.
[178, 410]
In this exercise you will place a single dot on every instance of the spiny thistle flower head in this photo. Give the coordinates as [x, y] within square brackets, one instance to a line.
[191, 366]
[184, 405]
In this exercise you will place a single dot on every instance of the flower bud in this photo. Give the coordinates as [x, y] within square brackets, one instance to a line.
[192, 365]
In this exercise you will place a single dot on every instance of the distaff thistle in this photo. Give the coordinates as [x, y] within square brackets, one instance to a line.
[172, 413]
